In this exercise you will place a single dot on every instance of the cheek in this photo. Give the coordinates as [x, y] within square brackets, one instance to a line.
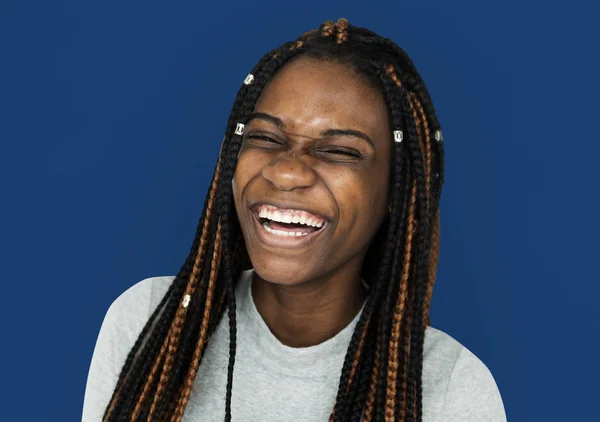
[361, 198]
[249, 164]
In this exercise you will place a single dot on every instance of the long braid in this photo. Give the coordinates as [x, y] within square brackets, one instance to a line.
[419, 113]
[138, 360]
[416, 334]
[398, 316]
[371, 395]
[382, 370]
[214, 271]
[433, 263]
[389, 339]
[416, 346]
[402, 261]
[407, 219]
[191, 332]
[383, 391]
[363, 377]
[428, 261]
[172, 342]
[392, 374]
[403, 397]
[361, 344]
[124, 393]
[435, 212]
[353, 369]
[386, 384]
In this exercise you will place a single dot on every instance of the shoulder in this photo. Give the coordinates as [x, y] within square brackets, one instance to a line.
[122, 325]
[465, 387]
[130, 311]
[140, 299]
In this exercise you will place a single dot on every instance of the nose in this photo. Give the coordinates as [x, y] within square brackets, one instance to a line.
[288, 174]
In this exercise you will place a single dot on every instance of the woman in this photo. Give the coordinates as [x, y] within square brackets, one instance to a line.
[306, 293]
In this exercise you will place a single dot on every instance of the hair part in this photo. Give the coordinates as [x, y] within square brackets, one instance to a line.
[381, 376]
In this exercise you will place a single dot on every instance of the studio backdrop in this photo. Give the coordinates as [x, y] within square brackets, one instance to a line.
[111, 118]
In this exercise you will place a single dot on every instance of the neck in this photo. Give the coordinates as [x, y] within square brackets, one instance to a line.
[309, 313]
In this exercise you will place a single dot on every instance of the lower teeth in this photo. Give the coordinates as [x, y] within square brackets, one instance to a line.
[282, 233]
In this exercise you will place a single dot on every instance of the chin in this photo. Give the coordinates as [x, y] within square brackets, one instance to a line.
[281, 271]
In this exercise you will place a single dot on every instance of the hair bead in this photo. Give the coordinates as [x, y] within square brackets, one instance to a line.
[186, 301]
[239, 129]
[249, 79]
[438, 136]
[398, 136]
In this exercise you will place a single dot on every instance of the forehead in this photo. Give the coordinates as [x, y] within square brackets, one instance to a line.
[310, 94]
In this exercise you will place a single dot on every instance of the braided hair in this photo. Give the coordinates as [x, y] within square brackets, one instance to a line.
[381, 375]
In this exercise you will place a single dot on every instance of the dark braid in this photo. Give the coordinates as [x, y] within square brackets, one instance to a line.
[359, 394]
[158, 326]
[382, 370]
[191, 345]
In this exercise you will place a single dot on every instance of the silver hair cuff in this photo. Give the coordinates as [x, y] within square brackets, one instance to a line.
[398, 136]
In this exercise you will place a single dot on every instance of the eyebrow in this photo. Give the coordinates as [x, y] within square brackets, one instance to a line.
[325, 134]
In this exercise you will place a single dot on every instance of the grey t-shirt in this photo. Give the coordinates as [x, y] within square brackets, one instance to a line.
[274, 382]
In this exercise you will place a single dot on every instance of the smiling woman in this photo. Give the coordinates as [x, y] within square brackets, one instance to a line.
[306, 293]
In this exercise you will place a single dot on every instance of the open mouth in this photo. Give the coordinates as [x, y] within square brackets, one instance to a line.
[288, 223]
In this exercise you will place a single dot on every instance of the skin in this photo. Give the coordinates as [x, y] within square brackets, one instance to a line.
[309, 293]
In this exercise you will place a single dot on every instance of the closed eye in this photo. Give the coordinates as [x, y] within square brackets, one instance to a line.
[263, 141]
[340, 153]
[262, 138]
[332, 153]
[344, 152]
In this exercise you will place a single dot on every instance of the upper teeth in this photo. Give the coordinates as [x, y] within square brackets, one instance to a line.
[290, 216]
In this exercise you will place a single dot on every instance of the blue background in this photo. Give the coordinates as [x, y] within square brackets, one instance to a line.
[112, 113]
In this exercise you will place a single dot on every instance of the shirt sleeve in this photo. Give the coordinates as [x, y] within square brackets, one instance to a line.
[122, 325]
[472, 394]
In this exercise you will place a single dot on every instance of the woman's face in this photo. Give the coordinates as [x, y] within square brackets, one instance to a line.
[311, 182]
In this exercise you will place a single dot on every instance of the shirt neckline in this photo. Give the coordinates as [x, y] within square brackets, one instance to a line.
[319, 358]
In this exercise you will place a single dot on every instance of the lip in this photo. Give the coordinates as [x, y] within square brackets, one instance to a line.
[274, 240]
